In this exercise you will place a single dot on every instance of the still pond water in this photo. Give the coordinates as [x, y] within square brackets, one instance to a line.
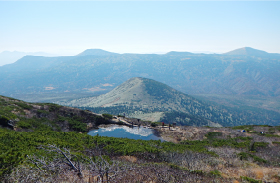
[126, 132]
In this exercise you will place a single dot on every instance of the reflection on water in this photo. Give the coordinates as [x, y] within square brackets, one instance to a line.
[126, 132]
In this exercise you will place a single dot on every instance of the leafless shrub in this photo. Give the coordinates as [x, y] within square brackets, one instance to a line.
[189, 159]
[271, 154]
[229, 156]
[104, 170]
[66, 167]
[62, 159]
[28, 174]
[164, 173]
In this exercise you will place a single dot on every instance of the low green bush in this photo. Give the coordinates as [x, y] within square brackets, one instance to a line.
[23, 105]
[250, 180]
[16, 145]
[76, 124]
[212, 135]
[245, 156]
[108, 116]
[53, 107]
[247, 128]
[154, 124]
[215, 173]
[261, 144]
[271, 135]
[24, 124]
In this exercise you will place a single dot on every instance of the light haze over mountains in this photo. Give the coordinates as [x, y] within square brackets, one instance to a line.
[244, 71]
[8, 57]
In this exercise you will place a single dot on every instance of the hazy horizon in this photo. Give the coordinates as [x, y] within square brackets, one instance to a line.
[68, 28]
[9, 57]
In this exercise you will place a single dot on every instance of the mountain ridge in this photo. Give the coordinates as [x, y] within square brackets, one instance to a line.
[9, 57]
[189, 73]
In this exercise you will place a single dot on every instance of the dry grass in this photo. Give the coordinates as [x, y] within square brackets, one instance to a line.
[131, 159]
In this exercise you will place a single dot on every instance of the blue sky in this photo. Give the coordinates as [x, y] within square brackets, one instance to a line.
[67, 28]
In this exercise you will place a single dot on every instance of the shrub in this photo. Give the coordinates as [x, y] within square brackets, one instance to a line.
[212, 135]
[250, 180]
[271, 135]
[24, 124]
[107, 116]
[275, 142]
[77, 124]
[261, 144]
[245, 156]
[215, 173]
[23, 105]
[4, 120]
[53, 107]
[247, 128]
[154, 124]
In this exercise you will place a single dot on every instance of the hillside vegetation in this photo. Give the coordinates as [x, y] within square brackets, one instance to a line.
[222, 156]
[44, 143]
[22, 116]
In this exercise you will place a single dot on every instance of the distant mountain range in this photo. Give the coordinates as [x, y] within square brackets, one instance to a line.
[8, 57]
[244, 71]
[151, 100]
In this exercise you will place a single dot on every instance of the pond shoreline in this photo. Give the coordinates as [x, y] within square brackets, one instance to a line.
[125, 131]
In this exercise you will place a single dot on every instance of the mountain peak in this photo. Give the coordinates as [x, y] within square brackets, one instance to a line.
[247, 51]
[96, 52]
[176, 53]
[144, 91]
[149, 100]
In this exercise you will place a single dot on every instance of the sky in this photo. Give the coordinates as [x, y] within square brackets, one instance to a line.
[70, 27]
